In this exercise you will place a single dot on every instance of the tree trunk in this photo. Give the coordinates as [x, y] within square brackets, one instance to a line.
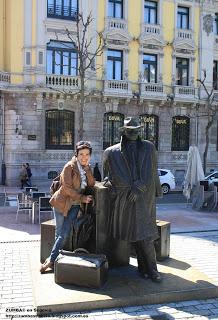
[82, 105]
[207, 130]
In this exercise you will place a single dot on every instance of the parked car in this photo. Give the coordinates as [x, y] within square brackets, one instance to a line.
[167, 180]
[212, 177]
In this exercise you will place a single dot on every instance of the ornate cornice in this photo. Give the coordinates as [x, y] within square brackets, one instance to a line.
[117, 38]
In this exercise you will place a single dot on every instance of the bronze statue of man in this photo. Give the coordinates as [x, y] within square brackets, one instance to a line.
[131, 168]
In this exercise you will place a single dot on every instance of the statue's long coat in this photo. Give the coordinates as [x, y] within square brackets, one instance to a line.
[133, 221]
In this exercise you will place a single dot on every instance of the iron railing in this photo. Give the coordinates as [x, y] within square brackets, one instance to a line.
[62, 12]
[5, 77]
[61, 81]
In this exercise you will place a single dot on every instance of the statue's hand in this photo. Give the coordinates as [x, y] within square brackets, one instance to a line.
[139, 185]
[132, 197]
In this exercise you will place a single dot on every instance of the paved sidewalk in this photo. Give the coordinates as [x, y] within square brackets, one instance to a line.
[200, 249]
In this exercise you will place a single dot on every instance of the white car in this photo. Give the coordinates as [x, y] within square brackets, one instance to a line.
[167, 180]
[212, 177]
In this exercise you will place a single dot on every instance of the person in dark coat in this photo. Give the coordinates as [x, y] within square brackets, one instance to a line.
[29, 173]
[23, 177]
[96, 173]
[131, 167]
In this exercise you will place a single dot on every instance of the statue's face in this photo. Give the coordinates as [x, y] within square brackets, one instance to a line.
[131, 134]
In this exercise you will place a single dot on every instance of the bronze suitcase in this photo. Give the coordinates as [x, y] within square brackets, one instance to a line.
[81, 269]
[162, 244]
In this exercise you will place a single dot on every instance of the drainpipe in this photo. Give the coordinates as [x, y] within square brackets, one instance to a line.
[3, 167]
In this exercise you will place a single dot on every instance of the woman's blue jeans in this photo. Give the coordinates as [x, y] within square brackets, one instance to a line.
[59, 220]
[63, 227]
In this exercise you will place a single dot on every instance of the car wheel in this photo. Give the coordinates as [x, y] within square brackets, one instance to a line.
[165, 188]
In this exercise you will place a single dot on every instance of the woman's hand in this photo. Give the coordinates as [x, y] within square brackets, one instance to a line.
[87, 199]
[86, 168]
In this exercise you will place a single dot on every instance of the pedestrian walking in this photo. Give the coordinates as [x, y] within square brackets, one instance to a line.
[29, 174]
[23, 177]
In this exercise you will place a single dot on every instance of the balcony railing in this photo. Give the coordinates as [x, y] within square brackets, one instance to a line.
[117, 87]
[184, 34]
[114, 23]
[64, 82]
[153, 29]
[184, 92]
[62, 12]
[5, 77]
[155, 90]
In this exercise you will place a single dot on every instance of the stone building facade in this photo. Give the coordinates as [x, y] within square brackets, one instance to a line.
[36, 104]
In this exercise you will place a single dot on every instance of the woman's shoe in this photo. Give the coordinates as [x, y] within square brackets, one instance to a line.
[47, 264]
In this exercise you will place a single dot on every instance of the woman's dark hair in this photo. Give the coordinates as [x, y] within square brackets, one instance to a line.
[83, 145]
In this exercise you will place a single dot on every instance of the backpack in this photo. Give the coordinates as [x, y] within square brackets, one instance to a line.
[56, 183]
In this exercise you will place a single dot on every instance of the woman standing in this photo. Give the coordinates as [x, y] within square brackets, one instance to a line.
[66, 201]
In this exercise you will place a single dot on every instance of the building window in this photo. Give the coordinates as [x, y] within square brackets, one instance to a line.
[150, 12]
[40, 57]
[111, 133]
[149, 130]
[62, 9]
[216, 24]
[28, 58]
[180, 133]
[182, 18]
[115, 8]
[182, 71]
[215, 75]
[150, 67]
[114, 65]
[60, 129]
[61, 58]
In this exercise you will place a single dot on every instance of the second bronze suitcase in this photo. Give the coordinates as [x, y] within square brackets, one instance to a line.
[81, 269]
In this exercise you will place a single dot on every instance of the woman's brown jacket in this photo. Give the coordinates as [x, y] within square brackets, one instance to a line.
[69, 194]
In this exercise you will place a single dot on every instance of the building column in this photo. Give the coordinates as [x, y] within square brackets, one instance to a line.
[160, 67]
[41, 12]
[206, 43]
[27, 51]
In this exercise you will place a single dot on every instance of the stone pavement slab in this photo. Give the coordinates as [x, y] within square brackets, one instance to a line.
[196, 249]
[15, 275]
[182, 218]
[20, 230]
[123, 288]
[185, 219]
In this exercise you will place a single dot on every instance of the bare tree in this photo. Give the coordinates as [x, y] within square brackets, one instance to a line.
[86, 58]
[210, 113]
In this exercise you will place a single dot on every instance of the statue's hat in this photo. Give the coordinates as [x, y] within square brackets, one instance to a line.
[131, 123]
